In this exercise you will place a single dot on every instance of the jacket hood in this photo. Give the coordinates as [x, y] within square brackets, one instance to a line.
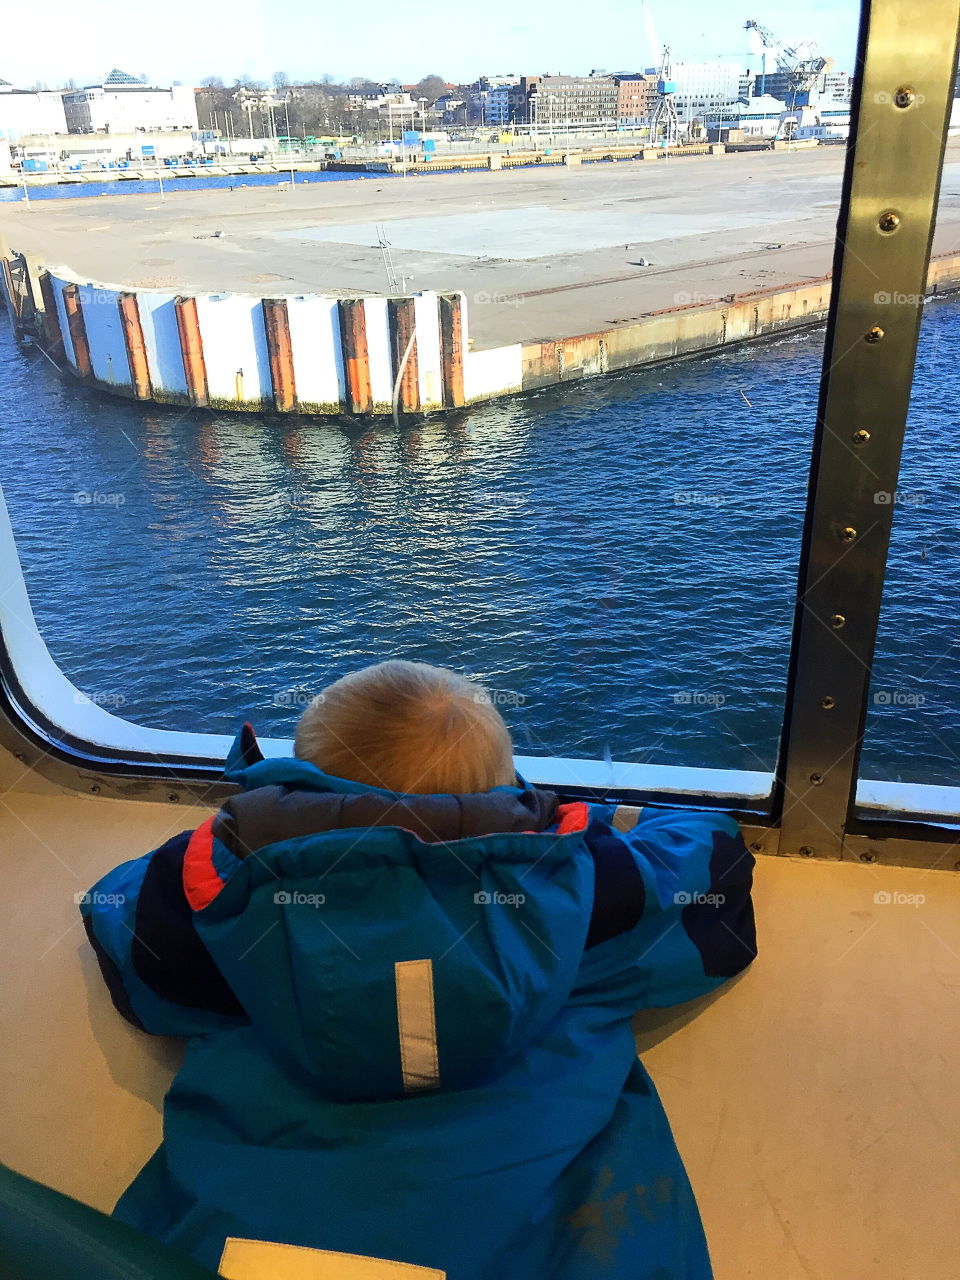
[383, 944]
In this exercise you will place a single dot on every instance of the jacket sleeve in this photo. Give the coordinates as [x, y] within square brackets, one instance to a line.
[160, 975]
[673, 917]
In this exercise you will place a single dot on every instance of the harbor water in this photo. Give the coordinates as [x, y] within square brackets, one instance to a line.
[616, 559]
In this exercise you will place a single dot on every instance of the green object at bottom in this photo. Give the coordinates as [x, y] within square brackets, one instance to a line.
[48, 1236]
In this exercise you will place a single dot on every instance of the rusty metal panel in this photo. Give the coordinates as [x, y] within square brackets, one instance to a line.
[276, 323]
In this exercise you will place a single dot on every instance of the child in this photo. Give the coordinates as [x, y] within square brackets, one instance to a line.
[407, 980]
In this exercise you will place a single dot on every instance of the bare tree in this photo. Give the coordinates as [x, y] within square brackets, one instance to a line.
[212, 82]
[430, 87]
[280, 80]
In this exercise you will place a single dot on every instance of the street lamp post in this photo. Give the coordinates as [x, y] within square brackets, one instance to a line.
[286, 113]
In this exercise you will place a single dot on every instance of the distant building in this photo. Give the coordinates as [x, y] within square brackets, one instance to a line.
[776, 84]
[571, 99]
[760, 117]
[24, 112]
[505, 100]
[636, 97]
[837, 85]
[703, 87]
[121, 104]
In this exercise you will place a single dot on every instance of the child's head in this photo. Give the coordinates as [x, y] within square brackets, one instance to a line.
[410, 728]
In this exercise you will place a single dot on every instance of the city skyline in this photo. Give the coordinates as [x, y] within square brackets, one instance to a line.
[307, 46]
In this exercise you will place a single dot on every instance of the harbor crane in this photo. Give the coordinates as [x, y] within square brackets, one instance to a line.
[665, 112]
[802, 65]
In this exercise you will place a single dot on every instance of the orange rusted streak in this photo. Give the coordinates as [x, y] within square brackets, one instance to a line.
[13, 297]
[276, 323]
[78, 331]
[191, 348]
[129, 310]
[403, 324]
[451, 349]
[51, 317]
[356, 360]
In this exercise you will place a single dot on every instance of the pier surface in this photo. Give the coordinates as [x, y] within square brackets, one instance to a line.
[539, 253]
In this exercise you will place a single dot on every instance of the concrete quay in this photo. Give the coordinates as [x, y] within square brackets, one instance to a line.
[521, 278]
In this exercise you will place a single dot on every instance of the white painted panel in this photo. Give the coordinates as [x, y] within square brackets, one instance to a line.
[234, 348]
[101, 318]
[429, 366]
[161, 340]
[59, 284]
[317, 350]
[378, 350]
[489, 373]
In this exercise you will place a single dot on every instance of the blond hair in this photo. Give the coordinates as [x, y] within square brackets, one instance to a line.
[409, 728]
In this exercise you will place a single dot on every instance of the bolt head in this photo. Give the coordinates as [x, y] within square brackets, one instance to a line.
[861, 436]
[868, 856]
[828, 703]
[805, 851]
[838, 621]
[889, 221]
[904, 96]
[848, 533]
[873, 335]
[816, 779]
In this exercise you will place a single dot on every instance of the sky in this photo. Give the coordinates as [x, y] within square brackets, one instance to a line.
[186, 41]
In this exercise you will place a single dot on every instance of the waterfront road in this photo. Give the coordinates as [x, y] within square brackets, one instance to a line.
[539, 252]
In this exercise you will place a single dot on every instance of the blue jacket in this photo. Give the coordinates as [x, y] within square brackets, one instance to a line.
[408, 1025]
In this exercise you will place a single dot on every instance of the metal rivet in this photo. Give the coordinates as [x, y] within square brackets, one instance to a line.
[827, 703]
[874, 334]
[847, 533]
[869, 856]
[805, 851]
[18, 755]
[861, 436]
[816, 779]
[756, 846]
[95, 789]
[888, 221]
[838, 621]
[173, 797]
[904, 96]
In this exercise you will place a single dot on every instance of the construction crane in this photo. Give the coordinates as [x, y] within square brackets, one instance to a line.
[802, 65]
[665, 112]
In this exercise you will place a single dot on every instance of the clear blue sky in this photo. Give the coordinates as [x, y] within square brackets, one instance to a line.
[188, 39]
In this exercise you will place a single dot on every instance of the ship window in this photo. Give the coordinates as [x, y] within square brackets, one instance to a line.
[911, 722]
[614, 553]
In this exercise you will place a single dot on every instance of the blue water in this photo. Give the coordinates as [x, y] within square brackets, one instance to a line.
[130, 187]
[616, 558]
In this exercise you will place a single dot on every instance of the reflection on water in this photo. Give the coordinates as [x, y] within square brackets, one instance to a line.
[616, 559]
